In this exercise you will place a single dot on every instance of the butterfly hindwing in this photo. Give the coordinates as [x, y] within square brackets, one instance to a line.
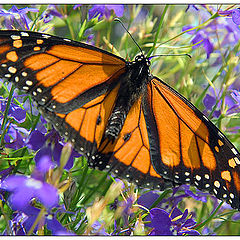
[84, 127]
[190, 148]
[129, 155]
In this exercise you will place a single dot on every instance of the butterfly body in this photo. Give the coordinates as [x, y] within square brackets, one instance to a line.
[132, 85]
[119, 116]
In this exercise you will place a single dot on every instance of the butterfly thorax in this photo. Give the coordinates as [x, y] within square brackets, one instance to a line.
[132, 87]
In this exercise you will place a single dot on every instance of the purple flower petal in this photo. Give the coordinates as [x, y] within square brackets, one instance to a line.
[117, 8]
[17, 113]
[208, 47]
[236, 16]
[147, 199]
[76, 6]
[190, 232]
[21, 198]
[185, 28]
[24, 189]
[43, 160]
[48, 195]
[160, 219]
[36, 140]
[96, 10]
[209, 101]
[57, 152]
[189, 223]
[100, 10]
[162, 232]
[175, 213]
[198, 40]
[14, 138]
[54, 225]
[13, 182]
[217, 113]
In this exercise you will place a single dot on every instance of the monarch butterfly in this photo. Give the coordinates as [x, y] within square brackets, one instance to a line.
[119, 116]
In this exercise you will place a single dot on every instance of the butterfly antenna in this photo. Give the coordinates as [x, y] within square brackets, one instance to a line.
[118, 20]
[181, 54]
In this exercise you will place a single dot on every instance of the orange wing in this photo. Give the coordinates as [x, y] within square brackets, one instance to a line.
[189, 148]
[129, 155]
[85, 126]
[61, 74]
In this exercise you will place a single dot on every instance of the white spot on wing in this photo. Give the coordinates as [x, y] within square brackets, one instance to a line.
[15, 37]
[237, 160]
[24, 74]
[220, 134]
[24, 34]
[12, 69]
[45, 36]
[29, 83]
[217, 184]
[205, 118]
[198, 178]
[39, 90]
[234, 151]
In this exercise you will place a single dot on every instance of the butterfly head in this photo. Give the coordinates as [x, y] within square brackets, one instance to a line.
[142, 59]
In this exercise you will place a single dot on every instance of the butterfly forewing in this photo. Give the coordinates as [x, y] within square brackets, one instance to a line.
[59, 73]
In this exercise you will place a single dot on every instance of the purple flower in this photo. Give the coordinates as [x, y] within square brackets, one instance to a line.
[39, 141]
[24, 220]
[76, 6]
[98, 229]
[209, 101]
[5, 172]
[43, 160]
[23, 189]
[101, 10]
[15, 137]
[202, 37]
[233, 102]
[228, 33]
[235, 108]
[17, 17]
[147, 199]
[234, 13]
[232, 34]
[15, 111]
[50, 13]
[16, 224]
[173, 223]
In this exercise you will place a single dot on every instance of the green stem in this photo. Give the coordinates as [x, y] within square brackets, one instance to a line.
[158, 31]
[40, 215]
[5, 116]
[210, 218]
[191, 29]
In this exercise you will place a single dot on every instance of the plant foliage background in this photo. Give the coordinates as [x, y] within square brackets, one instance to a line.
[48, 189]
